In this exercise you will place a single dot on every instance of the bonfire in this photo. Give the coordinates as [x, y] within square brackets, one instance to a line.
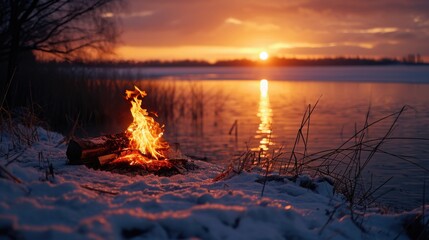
[144, 133]
[140, 146]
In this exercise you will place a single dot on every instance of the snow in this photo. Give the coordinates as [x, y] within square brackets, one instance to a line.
[82, 203]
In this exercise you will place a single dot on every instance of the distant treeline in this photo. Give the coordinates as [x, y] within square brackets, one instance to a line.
[274, 61]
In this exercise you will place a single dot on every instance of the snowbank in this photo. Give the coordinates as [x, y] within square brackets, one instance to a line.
[81, 203]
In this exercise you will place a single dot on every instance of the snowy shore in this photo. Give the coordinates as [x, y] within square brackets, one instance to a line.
[80, 203]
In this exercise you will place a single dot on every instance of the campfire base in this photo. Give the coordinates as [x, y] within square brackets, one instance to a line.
[160, 168]
[111, 153]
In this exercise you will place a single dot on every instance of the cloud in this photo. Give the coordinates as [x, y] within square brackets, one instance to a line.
[233, 21]
[357, 44]
[207, 52]
[303, 45]
[300, 45]
[144, 13]
[127, 15]
[252, 25]
[373, 30]
[383, 27]
[107, 15]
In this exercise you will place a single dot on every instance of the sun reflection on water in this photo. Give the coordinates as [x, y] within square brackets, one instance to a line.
[265, 113]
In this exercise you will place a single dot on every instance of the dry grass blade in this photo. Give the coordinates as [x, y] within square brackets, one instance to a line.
[300, 137]
[243, 162]
[6, 90]
[6, 174]
[270, 162]
[14, 158]
[99, 190]
[369, 194]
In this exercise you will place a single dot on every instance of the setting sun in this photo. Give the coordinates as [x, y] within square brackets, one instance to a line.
[263, 56]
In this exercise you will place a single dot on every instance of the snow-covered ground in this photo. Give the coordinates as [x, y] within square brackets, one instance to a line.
[82, 203]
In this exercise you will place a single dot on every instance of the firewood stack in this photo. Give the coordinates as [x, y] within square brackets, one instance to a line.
[101, 153]
[96, 151]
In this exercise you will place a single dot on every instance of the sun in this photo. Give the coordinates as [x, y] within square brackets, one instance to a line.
[263, 55]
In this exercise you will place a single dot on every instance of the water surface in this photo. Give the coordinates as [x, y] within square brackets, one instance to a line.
[268, 104]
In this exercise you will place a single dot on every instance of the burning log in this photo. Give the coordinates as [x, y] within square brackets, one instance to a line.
[111, 153]
[110, 149]
[96, 151]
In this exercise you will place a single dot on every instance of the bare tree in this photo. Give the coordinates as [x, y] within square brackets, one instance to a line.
[65, 28]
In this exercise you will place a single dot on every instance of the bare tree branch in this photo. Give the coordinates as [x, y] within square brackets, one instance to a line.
[60, 26]
[68, 29]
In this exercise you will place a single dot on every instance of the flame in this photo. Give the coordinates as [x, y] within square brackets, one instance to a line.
[144, 133]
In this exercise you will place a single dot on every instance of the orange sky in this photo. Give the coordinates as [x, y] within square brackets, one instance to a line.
[226, 29]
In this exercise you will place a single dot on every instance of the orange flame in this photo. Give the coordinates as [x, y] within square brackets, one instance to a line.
[144, 133]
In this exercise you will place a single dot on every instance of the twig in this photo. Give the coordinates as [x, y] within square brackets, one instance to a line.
[330, 218]
[16, 157]
[99, 190]
[234, 126]
[265, 180]
[7, 88]
[9, 175]
[424, 202]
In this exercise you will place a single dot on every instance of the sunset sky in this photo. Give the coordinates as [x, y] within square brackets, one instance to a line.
[226, 29]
